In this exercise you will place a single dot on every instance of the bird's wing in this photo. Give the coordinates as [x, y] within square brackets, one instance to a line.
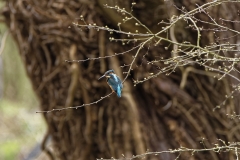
[115, 81]
[120, 82]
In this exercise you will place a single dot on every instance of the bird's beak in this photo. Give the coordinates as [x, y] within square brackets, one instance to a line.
[101, 77]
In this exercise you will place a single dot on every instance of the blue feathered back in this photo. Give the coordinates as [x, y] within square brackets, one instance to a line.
[115, 83]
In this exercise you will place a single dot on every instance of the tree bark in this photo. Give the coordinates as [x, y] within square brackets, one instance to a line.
[159, 114]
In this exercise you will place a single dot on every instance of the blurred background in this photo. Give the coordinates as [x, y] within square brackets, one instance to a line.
[21, 128]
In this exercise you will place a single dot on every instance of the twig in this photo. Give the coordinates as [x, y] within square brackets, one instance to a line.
[76, 107]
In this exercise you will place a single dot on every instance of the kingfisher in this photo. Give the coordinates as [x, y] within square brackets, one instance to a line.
[113, 81]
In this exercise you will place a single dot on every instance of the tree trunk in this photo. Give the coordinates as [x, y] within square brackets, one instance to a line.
[162, 113]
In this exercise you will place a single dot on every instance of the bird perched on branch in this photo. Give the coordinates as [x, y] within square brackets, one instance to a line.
[113, 81]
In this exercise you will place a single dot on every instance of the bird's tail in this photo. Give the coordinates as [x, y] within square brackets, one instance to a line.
[119, 92]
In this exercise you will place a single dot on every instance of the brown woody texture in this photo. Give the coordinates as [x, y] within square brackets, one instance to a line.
[156, 115]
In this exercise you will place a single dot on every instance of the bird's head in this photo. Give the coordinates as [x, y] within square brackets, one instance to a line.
[107, 74]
